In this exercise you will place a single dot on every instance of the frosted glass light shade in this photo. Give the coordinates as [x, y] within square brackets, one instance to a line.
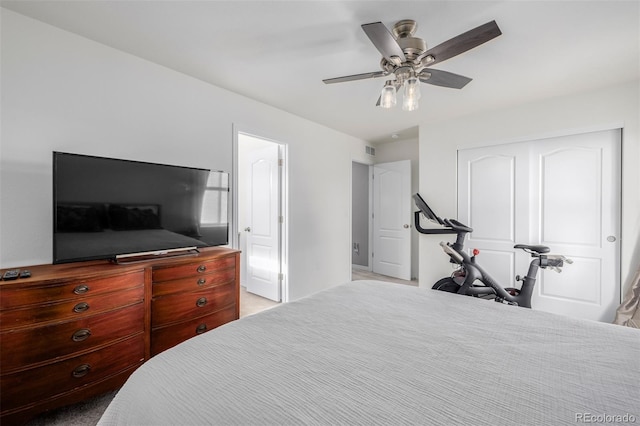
[388, 96]
[411, 94]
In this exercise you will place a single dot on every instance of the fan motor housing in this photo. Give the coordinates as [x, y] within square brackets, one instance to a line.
[404, 28]
[412, 47]
[403, 32]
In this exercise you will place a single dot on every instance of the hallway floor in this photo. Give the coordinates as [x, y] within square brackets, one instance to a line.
[361, 274]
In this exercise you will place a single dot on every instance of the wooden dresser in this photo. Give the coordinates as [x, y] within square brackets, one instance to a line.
[190, 298]
[73, 331]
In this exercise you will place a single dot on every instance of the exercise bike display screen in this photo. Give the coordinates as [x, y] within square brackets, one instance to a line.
[425, 209]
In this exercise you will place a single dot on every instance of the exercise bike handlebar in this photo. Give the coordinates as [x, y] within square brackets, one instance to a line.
[457, 226]
[449, 226]
[457, 257]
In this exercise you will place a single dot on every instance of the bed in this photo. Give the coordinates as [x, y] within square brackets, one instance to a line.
[370, 352]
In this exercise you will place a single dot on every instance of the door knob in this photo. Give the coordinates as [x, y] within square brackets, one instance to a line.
[611, 238]
[247, 229]
[406, 226]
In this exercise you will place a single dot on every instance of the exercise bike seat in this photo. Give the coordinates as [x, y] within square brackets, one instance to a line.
[537, 249]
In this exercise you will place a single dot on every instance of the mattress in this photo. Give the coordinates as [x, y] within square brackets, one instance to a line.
[370, 352]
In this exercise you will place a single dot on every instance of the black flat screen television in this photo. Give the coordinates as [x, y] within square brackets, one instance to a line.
[107, 208]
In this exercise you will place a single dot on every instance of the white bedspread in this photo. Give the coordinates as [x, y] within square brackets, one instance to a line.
[368, 353]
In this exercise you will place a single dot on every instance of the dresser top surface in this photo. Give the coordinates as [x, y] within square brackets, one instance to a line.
[52, 273]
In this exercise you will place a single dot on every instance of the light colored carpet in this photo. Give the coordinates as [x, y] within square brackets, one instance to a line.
[82, 414]
[361, 274]
[252, 304]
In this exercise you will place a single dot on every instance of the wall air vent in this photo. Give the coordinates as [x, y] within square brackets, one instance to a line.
[370, 150]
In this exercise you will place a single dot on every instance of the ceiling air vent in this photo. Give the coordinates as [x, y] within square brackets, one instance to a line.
[370, 150]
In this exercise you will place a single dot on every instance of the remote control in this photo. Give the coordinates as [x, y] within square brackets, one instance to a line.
[25, 273]
[11, 275]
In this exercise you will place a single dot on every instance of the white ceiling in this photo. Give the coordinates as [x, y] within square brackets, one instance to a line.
[278, 52]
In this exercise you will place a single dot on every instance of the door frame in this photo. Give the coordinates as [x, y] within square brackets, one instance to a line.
[284, 201]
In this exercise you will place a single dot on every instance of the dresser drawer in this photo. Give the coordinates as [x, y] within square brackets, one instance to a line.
[178, 307]
[59, 377]
[197, 282]
[68, 290]
[24, 347]
[167, 337]
[71, 309]
[165, 273]
[22, 415]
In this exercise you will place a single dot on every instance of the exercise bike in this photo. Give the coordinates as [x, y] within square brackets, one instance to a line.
[470, 278]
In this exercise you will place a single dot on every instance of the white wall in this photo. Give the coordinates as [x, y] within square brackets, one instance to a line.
[66, 93]
[614, 107]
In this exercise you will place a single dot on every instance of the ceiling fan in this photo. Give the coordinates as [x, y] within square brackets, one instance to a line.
[406, 59]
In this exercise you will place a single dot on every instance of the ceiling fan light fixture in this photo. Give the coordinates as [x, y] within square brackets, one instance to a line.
[408, 58]
[411, 93]
[388, 95]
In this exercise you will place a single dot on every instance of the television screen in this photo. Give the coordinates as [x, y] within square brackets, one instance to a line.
[104, 208]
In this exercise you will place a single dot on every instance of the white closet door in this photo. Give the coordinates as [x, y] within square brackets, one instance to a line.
[490, 190]
[561, 192]
[576, 212]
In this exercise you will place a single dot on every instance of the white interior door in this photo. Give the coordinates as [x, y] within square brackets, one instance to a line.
[392, 219]
[560, 192]
[263, 231]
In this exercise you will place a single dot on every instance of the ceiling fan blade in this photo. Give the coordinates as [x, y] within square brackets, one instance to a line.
[444, 79]
[463, 42]
[354, 77]
[384, 41]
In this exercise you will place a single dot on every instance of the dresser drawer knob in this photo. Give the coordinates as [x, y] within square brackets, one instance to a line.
[81, 371]
[201, 302]
[201, 268]
[202, 281]
[201, 328]
[80, 335]
[81, 307]
[81, 289]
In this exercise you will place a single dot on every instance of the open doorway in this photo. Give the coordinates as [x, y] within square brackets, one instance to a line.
[261, 216]
[360, 217]
[382, 241]
[388, 159]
